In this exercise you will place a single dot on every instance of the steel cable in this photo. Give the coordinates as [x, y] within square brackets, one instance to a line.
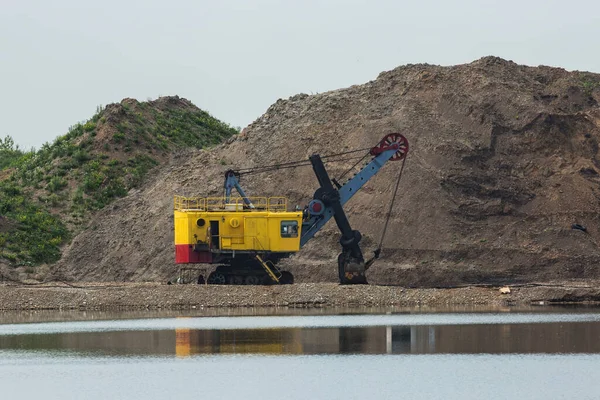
[389, 213]
[292, 164]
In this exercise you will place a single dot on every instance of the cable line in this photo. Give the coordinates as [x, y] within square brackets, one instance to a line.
[292, 164]
[389, 213]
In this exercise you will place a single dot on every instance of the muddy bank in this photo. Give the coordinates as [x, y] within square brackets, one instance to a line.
[139, 296]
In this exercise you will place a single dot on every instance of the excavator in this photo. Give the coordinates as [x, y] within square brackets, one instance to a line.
[246, 236]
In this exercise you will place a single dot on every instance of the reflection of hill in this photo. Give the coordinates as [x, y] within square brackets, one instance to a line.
[517, 338]
[581, 337]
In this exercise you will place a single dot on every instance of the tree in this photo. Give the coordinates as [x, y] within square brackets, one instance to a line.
[9, 152]
[8, 144]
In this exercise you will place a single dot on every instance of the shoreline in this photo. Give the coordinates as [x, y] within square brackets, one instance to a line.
[98, 296]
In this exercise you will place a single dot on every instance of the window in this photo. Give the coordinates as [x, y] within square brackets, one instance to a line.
[289, 229]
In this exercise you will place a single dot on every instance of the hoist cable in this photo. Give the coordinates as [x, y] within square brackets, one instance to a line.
[270, 167]
[294, 164]
[346, 152]
[389, 213]
[352, 167]
[299, 163]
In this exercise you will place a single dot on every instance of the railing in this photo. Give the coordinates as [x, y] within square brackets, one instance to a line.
[272, 204]
[190, 203]
[277, 204]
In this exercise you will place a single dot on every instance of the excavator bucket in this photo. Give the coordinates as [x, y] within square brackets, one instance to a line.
[351, 271]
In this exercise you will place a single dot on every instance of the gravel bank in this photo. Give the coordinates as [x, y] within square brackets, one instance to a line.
[136, 296]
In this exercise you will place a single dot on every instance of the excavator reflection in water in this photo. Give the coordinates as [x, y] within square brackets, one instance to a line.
[339, 340]
[521, 338]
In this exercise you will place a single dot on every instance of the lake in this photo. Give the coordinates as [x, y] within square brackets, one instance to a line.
[533, 353]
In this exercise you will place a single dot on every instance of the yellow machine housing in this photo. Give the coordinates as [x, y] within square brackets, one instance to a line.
[209, 229]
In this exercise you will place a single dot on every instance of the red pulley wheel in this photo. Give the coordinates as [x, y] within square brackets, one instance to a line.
[389, 140]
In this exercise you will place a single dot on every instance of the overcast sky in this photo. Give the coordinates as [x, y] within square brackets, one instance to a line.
[60, 59]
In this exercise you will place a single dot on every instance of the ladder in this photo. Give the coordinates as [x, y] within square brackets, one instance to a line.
[270, 268]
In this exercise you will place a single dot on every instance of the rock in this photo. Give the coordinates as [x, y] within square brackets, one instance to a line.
[505, 290]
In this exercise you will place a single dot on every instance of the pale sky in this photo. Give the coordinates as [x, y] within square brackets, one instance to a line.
[60, 59]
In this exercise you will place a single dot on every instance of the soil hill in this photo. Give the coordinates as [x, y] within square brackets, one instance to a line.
[49, 195]
[503, 164]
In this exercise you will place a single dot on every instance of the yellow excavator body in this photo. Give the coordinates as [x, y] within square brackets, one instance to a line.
[209, 225]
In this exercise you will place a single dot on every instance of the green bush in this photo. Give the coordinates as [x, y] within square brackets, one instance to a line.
[78, 197]
[10, 154]
[81, 156]
[118, 137]
[69, 163]
[56, 184]
[92, 181]
[74, 132]
[98, 115]
[89, 126]
[589, 82]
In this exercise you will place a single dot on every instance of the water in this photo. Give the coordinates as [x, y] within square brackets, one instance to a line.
[535, 353]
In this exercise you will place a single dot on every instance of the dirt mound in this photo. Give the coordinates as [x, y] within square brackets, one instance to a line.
[155, 127]
[504, 161]
[50, 194]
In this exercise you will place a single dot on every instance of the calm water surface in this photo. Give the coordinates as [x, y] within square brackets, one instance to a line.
[537, 353]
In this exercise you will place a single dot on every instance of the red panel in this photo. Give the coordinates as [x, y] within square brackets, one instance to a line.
[185, 254]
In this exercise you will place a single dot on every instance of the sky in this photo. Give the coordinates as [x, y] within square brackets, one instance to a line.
[61, 59]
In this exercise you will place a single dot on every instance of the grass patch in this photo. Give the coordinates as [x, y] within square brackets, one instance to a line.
[36, 235]
[589, 83]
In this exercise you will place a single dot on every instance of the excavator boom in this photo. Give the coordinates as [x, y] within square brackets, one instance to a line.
[329, 202]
